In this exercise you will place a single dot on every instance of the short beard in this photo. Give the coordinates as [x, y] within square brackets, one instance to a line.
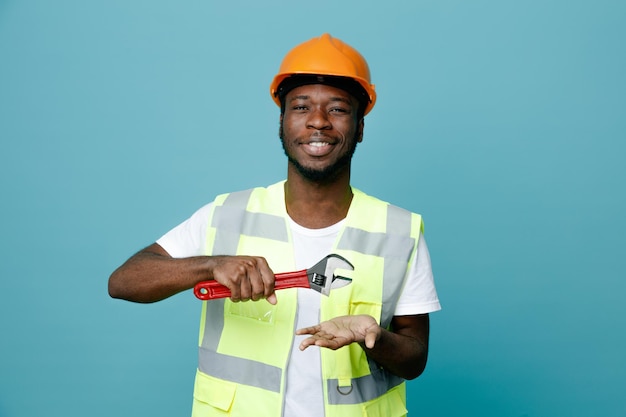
[327, 174]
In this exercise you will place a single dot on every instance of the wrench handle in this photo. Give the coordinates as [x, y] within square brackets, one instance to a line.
[297, 279]
[210, 290]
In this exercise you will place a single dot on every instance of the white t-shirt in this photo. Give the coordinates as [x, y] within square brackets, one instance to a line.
[303, 396]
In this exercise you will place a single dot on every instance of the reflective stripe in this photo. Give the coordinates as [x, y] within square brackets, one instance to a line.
[395, 246]
[396, 265]
[241, 371]
[362, 389]
[213, 324]
[398, 221]
[231, 220]
[227, 220]
[376, 244]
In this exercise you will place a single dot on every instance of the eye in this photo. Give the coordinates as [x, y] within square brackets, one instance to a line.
[340, 110]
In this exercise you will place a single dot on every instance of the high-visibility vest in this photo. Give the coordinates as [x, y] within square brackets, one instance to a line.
[244, 347]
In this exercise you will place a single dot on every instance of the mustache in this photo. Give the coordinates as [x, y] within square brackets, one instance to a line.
[315, 136]
[319, 136]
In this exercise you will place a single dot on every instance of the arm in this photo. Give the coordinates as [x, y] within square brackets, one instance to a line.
[403, 351]
[153, 275]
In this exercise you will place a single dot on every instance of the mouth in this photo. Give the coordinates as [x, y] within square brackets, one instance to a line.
[317, 147]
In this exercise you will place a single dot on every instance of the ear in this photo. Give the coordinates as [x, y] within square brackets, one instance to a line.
[360, 127]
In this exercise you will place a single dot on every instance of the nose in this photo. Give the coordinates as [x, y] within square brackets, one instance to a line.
[318, 119]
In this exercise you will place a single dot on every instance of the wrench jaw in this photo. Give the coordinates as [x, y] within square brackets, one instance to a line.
[322, 276]
[319, 283]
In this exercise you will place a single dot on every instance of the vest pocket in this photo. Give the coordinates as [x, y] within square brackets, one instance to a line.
[212, 394]
[391, 404]
[260, 311]
[366, 307]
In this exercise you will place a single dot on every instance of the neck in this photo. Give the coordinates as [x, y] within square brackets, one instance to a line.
[317, 205]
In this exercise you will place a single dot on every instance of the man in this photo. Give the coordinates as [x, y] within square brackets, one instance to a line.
[294, 352]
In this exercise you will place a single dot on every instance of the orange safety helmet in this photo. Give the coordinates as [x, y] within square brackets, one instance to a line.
[326, 56]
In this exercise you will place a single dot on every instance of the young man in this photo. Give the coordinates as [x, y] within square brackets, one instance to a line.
[294, 352]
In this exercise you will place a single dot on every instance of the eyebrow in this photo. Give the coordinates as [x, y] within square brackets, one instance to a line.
[333, 98]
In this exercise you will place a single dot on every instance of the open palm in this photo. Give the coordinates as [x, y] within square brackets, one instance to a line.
[341, 331]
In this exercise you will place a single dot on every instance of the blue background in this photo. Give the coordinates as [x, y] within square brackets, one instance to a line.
[502, 122]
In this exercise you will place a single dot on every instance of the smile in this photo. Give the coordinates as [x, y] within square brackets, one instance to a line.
[318, 144]
[317, 148]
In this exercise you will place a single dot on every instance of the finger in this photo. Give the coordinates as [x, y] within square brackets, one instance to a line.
[245, 288]
[370, 340]
[333, 344]
[267, 277]
[235, 292]
[309, 341]
[257, 285]
[233, 274]
[251, 282]
[308, 330]
[272, 299]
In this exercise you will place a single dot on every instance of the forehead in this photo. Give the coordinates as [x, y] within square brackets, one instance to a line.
[320, 91]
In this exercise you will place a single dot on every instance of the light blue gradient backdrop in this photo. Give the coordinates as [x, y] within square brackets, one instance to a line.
[502, 122]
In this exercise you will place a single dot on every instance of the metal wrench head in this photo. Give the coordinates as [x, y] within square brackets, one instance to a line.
[322, 276]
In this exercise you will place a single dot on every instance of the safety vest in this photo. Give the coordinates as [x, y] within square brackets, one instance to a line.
[244, 347]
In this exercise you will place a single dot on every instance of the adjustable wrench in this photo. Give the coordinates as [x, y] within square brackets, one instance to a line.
[320, 277]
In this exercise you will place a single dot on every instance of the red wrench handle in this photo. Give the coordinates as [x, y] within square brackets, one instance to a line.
[297, 279]
[210, 290]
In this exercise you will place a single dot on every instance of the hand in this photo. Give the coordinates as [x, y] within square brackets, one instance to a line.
[247, 277]
[341, 331]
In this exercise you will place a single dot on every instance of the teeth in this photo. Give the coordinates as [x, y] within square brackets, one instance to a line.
[318, 144]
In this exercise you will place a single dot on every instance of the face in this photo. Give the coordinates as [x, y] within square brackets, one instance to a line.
[319, 131]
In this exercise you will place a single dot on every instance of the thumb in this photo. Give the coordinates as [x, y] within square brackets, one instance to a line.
[370, 339]
[272, 299]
